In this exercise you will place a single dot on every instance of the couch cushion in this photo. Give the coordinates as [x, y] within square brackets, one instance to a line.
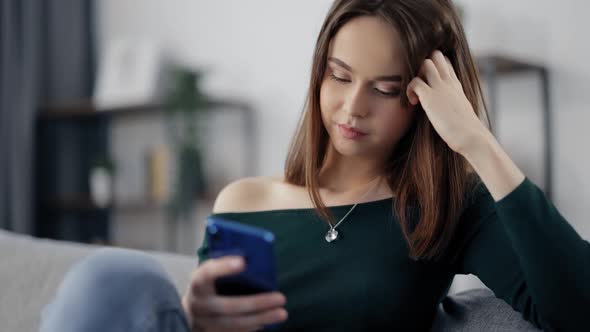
[478, 310]
[31, 269]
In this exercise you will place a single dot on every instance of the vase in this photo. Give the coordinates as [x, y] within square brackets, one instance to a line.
[101, 183]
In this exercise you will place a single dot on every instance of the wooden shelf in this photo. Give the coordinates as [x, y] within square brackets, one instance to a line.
[82, 110]
[83, 203]
[504, 64]
[90, 128]
[85, 110]
[73, 203]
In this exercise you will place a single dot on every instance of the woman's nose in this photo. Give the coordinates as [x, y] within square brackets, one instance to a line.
[356, 104]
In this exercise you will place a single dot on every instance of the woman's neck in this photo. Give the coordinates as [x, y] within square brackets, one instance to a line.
[342, 174]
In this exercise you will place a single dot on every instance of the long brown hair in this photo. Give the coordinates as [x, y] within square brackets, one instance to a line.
[428, 179]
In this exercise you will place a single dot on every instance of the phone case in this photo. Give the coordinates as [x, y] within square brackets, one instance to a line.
[254, 244]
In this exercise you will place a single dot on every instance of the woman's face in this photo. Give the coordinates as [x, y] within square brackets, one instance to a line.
[360, 96]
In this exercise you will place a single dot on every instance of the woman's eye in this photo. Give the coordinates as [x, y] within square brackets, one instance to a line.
[338, 79]
[393, 93]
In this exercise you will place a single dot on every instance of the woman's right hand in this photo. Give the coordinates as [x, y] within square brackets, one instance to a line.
[207, 311]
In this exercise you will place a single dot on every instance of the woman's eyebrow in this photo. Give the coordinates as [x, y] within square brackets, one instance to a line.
[340, 63]
[386, 78]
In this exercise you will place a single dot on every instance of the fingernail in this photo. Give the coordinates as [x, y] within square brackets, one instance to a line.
[283, 314]
[280, 299]
[236, 263]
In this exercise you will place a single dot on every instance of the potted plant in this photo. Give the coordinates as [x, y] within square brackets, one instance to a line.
[184, 104]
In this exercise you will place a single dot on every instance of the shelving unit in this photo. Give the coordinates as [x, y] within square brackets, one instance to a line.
[492, 68]
[64, 208]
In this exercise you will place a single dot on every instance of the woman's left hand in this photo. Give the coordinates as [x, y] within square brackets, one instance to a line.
[453, 118]
[440, 92]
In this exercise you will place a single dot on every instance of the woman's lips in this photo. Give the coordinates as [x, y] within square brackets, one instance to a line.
[350, 132]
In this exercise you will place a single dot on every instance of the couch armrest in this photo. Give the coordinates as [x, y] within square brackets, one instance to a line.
[31, 269]
[478, 310]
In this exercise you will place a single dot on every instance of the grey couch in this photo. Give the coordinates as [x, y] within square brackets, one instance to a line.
[31, 269]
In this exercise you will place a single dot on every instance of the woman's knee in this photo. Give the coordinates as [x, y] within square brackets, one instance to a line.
[111, 273]
[108, 265]
[124, 287]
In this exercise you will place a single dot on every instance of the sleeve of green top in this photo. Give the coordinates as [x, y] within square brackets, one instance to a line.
[529, 256]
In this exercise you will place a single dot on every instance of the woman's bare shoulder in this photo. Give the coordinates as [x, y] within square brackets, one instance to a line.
[252, 194]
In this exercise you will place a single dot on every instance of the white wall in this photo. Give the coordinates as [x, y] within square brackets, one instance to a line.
[262, 50]
[257, 49]
[554, 33]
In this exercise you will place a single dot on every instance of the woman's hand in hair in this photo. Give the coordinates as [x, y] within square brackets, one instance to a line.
[439, 91]
[441, 95]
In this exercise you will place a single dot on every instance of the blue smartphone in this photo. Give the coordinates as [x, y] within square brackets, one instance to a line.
[254, 244]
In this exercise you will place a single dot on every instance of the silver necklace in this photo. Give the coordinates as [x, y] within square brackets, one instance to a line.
[332, 234]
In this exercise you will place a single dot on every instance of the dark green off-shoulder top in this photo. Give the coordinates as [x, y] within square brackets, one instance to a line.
[520, 247]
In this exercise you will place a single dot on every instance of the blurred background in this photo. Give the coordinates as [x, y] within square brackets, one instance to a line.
[121, 120]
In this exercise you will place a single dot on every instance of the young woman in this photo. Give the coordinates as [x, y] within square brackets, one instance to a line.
[392, 186]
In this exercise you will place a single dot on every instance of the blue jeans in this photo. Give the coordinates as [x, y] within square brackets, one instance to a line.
[115, 290]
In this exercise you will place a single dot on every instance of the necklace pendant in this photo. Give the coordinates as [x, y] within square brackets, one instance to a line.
[331, 235]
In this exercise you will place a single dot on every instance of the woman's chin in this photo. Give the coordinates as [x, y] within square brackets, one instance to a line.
[350, 149]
